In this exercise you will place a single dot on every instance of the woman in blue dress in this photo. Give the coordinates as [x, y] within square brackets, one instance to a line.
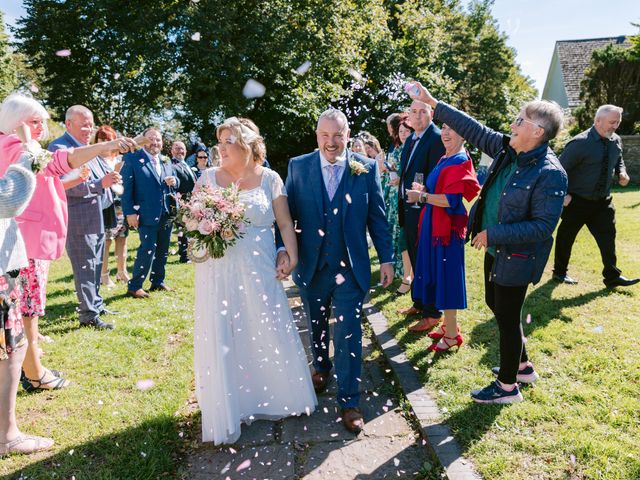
[440, 274]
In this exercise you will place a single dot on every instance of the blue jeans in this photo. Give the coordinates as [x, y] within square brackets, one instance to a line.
[346, 299]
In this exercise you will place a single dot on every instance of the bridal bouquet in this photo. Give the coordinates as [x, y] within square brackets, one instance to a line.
[213, 220]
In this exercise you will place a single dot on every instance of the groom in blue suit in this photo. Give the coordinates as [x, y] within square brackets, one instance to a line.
[148, 183]
[335, 196]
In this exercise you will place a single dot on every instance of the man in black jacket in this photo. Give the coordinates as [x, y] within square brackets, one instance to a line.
[187, 182]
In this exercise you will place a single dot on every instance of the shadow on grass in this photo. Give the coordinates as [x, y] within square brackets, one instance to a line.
[148, 451]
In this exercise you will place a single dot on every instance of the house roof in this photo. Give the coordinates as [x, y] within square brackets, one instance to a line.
[574, 57]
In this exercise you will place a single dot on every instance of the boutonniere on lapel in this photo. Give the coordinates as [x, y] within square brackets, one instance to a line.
[357, 168]
[163, 159]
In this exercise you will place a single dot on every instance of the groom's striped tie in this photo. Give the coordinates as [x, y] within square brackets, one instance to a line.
[332, 184]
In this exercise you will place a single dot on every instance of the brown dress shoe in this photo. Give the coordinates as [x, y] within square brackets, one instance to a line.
[162, 286]
[424, 324]
[140, 293]
[352, 419]
[320, 381]
[410, 311]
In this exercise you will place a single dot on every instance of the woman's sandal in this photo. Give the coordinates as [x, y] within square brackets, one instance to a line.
[25, 444]
[56, 383]
[399, 292]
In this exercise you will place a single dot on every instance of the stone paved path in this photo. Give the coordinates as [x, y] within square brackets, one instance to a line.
[319, 447]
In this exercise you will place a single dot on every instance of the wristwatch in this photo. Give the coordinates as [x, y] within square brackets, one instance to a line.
[423, 197]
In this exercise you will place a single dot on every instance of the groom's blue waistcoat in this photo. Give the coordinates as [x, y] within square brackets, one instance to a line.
[334, 249]
[360, 207]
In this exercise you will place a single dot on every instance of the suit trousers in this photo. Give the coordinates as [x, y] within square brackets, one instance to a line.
[152, 253]
[411, 219]
[506, 304]
[86, 252]
[346, 297]
[600, 218]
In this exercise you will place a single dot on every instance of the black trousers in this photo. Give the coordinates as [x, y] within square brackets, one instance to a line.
[411, 219]
[600, 218]
[506, 304]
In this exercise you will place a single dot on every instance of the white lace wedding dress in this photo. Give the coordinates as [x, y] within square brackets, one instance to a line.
[250, 363]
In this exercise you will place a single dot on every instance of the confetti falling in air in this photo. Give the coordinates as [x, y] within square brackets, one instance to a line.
[321, 232]
[63, 53]
[340, 279]
[357, 76]
[144, 384]
[302, 69]
[348, 198]
[243, 465]
[528, 318]
[396, 462]
[34, 88]
[116, 76]
[253, 89]
[196, 37]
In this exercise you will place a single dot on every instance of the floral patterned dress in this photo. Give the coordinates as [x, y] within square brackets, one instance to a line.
[11, 331]
[390, 193]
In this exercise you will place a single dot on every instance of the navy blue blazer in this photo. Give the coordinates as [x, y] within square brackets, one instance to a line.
[363, 207]
[429, 151]
[86, 200]
[145, 193]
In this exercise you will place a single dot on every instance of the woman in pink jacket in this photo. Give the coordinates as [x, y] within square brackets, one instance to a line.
[43, 224]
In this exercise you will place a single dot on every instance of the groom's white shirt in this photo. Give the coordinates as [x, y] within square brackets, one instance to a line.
[341, 161]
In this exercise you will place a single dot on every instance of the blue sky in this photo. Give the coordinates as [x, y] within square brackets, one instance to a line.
[533, 26]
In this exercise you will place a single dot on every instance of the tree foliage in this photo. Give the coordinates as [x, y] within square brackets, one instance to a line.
[612, 78]
[187, 62]
[8, 75]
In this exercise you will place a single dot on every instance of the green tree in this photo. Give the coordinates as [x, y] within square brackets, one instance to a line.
[8, 75]
[612, 78]
[121, 61]
[268, 42]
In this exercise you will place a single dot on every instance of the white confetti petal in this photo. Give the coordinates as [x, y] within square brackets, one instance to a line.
[302, 69]
[196, 37]
[144, 384]
[63, 53]
[253, 89]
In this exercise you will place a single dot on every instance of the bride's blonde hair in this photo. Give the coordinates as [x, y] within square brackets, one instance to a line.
[247, 138]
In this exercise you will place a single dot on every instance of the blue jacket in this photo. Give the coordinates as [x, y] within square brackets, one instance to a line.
[530, 205]
[362, 209]
[145, 193]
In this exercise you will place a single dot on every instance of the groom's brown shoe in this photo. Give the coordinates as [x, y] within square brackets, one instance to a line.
[140, 293]
[320, 381]
[352, 419]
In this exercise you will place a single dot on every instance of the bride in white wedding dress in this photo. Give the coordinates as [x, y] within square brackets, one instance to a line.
[250, 363]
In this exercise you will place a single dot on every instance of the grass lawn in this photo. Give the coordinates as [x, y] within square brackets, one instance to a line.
[104, 426]
[582, 419]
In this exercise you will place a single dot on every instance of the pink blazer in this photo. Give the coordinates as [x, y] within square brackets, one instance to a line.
[43, 224]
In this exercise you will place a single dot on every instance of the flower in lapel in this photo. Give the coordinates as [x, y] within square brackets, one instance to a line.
[163, 158]
[357, 167]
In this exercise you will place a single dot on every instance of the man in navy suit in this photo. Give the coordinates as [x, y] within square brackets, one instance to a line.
[334, 196]
[420, 154]
[148, 182]
[86, 198]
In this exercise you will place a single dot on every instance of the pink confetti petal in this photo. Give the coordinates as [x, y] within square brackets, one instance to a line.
[63, 53]
[243, 465]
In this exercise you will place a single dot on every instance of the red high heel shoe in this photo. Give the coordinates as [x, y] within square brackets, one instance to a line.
[448, 343]
[441, 332]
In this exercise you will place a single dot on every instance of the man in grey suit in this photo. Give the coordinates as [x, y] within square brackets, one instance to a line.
[88, 193]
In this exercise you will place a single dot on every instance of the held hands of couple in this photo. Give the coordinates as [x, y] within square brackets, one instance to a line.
[284, 265]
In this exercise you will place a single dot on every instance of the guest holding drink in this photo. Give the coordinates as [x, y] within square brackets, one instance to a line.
[43, 224]
[420, 154]
[440, 272]
[513, 222]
